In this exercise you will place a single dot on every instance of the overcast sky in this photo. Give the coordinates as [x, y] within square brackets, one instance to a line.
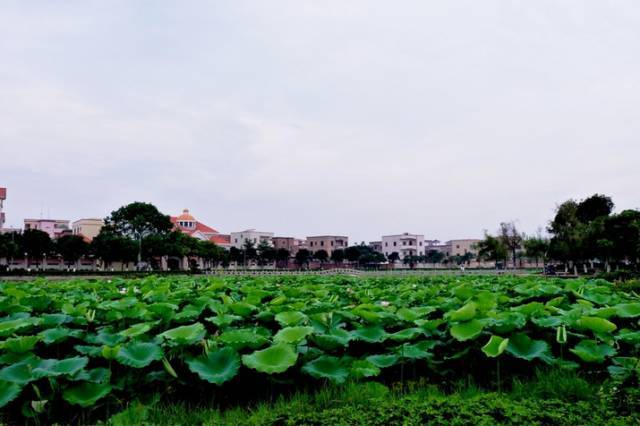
[303, 117]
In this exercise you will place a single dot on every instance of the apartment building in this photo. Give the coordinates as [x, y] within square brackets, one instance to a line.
[376, 246]
[238, 239]
[54, 227]
[292, 245]
[459, 247]
[87, 228]
[405, 244]
[329, 243]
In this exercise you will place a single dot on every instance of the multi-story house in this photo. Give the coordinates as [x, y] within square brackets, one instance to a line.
[329, 243]
[87, 228]
[188, 224]
[404, 244]
[238, 239]
[3, 196]
[54, 227]
[292, 245]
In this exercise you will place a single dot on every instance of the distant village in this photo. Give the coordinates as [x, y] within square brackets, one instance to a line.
[401, 250]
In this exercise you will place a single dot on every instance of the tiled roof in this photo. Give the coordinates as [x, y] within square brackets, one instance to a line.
[199, 227]
[220, 239]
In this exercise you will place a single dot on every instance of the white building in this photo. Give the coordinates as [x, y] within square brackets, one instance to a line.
[256, 237]
[405, 244]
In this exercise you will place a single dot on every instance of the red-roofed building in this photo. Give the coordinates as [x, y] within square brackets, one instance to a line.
[190, 226]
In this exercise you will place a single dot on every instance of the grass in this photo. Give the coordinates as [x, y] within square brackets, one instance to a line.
[549, 397]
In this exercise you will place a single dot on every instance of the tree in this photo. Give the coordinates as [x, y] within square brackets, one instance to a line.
[434, 256]
[510, 238]
[35, 243]
[393, 257]
[302, 257]
[137, 221]
[593, 208]
[249, 252]
[71, 248]
[321, 255]
[110, 247]
[536, 248]
[282, 257]
[492, 249]
[9, 248]
[352, 254]
[337, 256]
[210, 252]
[266, 253]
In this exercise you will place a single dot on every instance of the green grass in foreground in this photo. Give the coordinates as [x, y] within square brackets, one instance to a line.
[550, 398]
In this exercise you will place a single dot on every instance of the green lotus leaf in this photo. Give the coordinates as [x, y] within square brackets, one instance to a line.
[333, 339]
[373, 334]
[291, 318]
[59, 367]
[530, 309]
[607, 312]
[466, 330]
[508, 321]
[20, 344]
[548, 322]
[7, 328]
[86, 394]
[429, 326]
[137, 329]
[57, 335]
[243, 338]
[406, 334]
[368, 315]
[495, 346]
[8, 392]
[292, 334]
[465, 313]
[21, 372]
[591, 351]
[406, 314]
[139, 355]
[92, 351]
[110, 352]
[327, 367]
[96, 375]
[184, 335]
[218, 367]
[522, 346]
[55, 320]
[362, 368]
[596, 324]
[105, 337]
[383, 361]
[242, 308]
[629, 336]
[418, 350]
[275, 359]
[224, 320]
[628, 310]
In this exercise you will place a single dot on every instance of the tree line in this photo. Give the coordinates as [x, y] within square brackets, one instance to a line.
[583, 235]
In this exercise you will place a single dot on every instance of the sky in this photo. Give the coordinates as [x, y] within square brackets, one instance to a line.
[302, 117]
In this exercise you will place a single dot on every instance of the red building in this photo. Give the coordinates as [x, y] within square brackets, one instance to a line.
[188, 224]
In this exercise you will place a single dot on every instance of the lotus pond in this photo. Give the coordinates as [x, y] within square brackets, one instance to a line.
[88, 347]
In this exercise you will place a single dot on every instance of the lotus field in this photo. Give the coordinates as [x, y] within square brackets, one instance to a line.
[91, 346]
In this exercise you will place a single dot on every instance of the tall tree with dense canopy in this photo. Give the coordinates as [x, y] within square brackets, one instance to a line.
[71, 248]
[492, 249]
[36, 244]
[511, 239]
[137, 221]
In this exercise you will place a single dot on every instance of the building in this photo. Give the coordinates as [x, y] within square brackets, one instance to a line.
[404, 244]
[329, 243]
[3, 196]
[87, 228]
[376, 246]
[187, 224]
[292, 245]
[54, 227]
[453, 248]
[238, 239]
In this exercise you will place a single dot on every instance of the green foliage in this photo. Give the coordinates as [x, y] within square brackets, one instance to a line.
[122, 339]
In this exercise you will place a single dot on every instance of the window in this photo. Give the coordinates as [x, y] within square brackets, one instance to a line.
[404, 243]
[386, 244]
[394, 244]
[457, 246]
[420, 243]
[331, 243]
[322, 243]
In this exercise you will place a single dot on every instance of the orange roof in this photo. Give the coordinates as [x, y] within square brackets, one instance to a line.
[185, 216]
[220, 239]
